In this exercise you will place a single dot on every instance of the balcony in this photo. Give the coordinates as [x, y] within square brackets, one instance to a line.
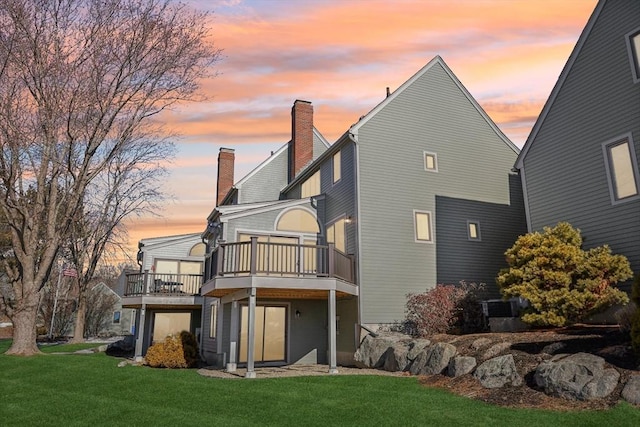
[162, 284]
[233, 266]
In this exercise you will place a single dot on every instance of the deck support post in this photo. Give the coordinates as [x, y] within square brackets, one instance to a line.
[140, 333]
[333, 368]
[251, 333]
[233, 345]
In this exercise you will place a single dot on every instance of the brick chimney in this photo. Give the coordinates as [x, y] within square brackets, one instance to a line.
[301, 145]
[226, 160]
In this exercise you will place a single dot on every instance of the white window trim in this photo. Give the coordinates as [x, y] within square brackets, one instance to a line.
[333, 167]
[435, 161]
[213, 325]
[477, 223]
[633, 61]
[415, 227]
[634, 165]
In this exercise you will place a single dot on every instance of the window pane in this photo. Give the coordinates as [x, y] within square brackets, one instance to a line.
[336, 234]
[187, 267]
[166, 267]
[635, 50]
[622, 170]
[165, 324]
[213, 326]
[473, 230]
[311, 186]
[423, 226]
[336, 167]
[198, 249]
[430, 162]
[298, 220]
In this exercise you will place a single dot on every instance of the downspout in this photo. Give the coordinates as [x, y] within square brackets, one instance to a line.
[353, 136]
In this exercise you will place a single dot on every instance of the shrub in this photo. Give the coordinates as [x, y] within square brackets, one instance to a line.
[174, 352]
[563, 283]
[624, 317]
[443, 308]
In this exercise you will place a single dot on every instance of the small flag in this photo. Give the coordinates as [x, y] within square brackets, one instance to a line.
[70, 272]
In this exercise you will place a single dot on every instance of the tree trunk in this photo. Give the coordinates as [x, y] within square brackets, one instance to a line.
[78, 329]
[24, 327]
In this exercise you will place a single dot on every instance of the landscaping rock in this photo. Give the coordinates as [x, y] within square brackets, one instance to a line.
[396, 358]
[496, 349]
[416, 347]
[123, 348]
[553, 348]
[372, 352]
[580, 376]
[631, 390]
[461, 365]
[433, 360]
[480, 343]
[497, 372]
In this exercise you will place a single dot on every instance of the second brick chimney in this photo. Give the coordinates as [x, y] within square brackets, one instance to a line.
[301, 145]
[226, 160]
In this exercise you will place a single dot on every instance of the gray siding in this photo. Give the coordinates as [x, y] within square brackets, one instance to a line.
[477, 261]
[564, 168]
[209, 345]
[171, 249]
[265, 183]
[434, 115]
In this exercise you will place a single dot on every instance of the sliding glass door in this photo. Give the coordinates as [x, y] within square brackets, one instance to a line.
[270, 334]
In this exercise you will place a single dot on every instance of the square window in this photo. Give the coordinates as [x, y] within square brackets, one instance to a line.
[473, 230]
[116, 317]
[430, 162]
[633, 44]
[621, 166]
[422, 223]
[311, 187]
[336, 167]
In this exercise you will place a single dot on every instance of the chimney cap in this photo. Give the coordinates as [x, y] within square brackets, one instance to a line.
[227, 150]
[301, 100]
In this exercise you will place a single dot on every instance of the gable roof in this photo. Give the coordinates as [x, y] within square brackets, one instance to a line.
[558, 86]
[158, 242]
[436, 60]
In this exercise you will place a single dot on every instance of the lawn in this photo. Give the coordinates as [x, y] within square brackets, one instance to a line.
[59, 389]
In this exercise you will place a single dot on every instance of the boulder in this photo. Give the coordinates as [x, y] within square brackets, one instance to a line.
[123, 348]
[553, 348]
[433, 360]
[631, 390]
[496, 349]
[497, 372]
[580, 376]
[416, 347]
[461, 365]
[372, 352]
[395, 358]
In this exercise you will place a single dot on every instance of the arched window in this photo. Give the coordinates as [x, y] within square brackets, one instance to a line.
[198, 249]
[298, 220]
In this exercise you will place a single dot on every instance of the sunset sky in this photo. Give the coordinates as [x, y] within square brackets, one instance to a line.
[341, 55]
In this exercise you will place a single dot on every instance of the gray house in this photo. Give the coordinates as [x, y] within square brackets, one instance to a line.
[580, 162]
[165, 292]
[419, 191]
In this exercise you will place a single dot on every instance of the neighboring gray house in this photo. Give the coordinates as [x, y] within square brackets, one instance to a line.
[580, 162]
[422, 181]
[166, 291]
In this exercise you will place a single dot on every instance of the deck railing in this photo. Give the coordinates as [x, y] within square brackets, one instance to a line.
[162, 284]
[278, 259]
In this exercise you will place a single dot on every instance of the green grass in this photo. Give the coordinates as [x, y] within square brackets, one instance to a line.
[83, 390]
[67, 348]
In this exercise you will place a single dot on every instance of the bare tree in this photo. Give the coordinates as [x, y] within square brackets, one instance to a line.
[80, 81]
[130, 184]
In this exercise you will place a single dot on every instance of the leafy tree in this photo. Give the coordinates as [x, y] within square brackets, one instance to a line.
[563, 283]
[80, 81]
